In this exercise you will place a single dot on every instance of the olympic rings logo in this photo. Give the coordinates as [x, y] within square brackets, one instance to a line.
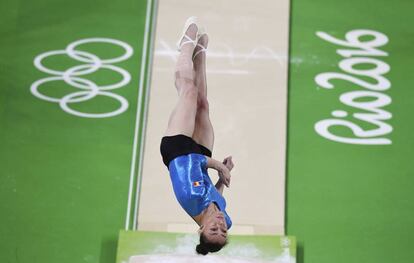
[88, 89]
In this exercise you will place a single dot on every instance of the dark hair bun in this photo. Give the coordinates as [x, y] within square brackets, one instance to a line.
[201, 250]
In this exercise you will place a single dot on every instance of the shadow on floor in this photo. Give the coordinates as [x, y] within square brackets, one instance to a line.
[299, 253]
[108, 250]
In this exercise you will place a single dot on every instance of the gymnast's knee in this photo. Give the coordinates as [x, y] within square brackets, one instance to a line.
[202, 103]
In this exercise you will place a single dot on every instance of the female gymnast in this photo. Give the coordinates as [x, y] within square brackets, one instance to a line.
[187, 145]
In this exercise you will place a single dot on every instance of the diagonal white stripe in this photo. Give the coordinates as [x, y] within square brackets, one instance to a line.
[138, 115]
[144, 123]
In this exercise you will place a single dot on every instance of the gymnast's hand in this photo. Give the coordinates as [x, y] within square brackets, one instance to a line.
[224, 174]
[223, 171]
[228, 162]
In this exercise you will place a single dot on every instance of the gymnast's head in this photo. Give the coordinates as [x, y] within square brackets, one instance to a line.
[213, 234]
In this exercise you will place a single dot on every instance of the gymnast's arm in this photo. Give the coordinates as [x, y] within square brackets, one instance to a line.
[228, 162]
[220, 186]
[222, 169]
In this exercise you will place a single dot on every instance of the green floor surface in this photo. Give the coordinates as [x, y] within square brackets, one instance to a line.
[64, 179]
[350, 202]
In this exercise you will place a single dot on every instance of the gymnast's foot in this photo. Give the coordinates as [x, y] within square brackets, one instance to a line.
[189, 38]
[201, 47]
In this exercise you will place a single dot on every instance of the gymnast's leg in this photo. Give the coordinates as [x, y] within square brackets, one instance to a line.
[182, 119]
[203, 131]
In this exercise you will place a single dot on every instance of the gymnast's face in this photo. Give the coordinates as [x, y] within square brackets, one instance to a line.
[215, 228]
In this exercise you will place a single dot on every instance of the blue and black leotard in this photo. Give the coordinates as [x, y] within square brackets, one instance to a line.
[192, 186]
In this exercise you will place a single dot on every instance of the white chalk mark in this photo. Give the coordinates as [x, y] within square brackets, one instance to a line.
[172, 53]
[225, 51]
[214, 71]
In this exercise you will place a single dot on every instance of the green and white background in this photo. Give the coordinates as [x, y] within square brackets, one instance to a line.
[64, 179]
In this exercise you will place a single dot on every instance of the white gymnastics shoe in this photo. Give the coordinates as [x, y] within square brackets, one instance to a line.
[191, 20]
[201, 32]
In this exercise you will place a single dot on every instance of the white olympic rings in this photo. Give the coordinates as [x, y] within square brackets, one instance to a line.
[88, 89]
